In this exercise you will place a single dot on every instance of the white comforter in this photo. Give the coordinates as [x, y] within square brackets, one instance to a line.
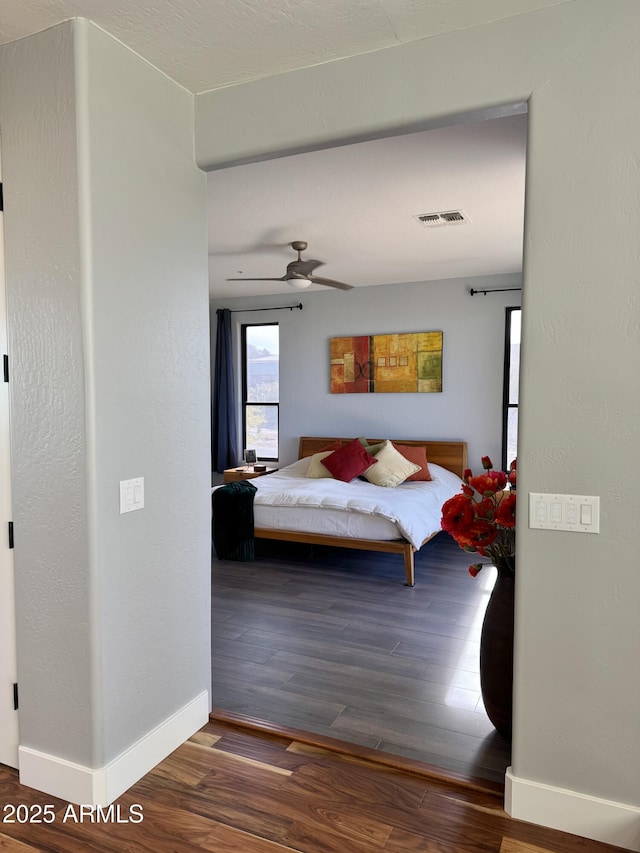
[414, 509]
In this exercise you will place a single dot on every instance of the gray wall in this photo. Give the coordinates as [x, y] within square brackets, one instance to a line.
[56, 636]
[470, 405]
[577, 643]
[107, 311]
[151, 403]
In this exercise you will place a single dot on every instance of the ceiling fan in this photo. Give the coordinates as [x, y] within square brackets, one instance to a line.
[299, 273]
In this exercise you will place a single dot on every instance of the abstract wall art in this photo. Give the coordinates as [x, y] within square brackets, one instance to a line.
[408, 362]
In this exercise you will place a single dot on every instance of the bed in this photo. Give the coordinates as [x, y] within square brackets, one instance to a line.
[289, 507]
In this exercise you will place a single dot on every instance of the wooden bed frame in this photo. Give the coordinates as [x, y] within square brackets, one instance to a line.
[449, 454]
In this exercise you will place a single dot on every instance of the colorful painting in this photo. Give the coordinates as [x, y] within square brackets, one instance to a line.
[387, 364]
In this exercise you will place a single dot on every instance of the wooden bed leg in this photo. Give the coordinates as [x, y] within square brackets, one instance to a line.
[409, 565]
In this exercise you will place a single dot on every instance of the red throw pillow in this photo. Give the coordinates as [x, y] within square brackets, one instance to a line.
[349, 461]
[417, 455]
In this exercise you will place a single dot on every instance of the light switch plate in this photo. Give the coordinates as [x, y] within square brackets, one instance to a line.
[579, 513]
[131, 494]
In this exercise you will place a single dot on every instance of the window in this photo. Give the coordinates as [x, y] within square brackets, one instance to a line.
[511, 389]
[260, 389]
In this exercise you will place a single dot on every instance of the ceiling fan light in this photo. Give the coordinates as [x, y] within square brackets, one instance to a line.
[298, 282]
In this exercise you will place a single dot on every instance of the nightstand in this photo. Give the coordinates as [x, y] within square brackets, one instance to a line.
[245, 472]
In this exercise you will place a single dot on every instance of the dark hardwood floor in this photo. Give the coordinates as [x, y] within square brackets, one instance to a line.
[331, 641]
[229, 790]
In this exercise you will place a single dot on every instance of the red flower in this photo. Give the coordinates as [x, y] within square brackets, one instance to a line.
[485, 509]
[457, 514]
[483, 517]
[506, 514]
[500, 479]
[480, 534]
[485, 484]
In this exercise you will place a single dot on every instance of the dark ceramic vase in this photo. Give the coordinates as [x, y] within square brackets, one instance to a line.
[496, 653]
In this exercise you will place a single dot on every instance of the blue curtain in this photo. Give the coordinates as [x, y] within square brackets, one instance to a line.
[225, 452]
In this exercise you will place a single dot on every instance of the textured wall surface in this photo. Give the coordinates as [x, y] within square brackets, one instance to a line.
[576, 713]
[470, 404]
[108, 319]
[55, 633]
[151, 416]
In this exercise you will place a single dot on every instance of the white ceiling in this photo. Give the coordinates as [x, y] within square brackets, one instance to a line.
[353, 205]
[206, 44]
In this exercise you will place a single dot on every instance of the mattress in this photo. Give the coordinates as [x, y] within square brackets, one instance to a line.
[288, 500]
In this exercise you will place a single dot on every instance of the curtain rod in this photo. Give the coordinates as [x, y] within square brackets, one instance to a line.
[278, 308]
[493, 290]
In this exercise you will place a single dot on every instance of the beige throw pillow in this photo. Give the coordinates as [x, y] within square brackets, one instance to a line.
[391, 467]
[316, 469]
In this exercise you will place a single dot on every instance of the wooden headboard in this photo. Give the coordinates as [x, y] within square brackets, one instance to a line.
[451, 455]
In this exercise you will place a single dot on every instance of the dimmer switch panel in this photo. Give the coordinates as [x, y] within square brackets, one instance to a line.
[579, 513]
[131, 494]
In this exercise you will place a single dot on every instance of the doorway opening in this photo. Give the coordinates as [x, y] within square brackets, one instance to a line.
[443, 273]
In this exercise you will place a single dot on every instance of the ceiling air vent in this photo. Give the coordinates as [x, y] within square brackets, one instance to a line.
[439, 220]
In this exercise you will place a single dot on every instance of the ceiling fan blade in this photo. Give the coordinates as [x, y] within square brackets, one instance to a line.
[299, 273]
[305, 267]
[329, 282]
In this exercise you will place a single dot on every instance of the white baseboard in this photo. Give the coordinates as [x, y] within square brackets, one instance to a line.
[100, 787]
[571, 811]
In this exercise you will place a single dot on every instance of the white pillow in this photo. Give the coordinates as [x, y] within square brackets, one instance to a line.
[391, 467]
[316, 468]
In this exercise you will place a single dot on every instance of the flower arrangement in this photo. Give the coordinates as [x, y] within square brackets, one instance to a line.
[483, 518]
